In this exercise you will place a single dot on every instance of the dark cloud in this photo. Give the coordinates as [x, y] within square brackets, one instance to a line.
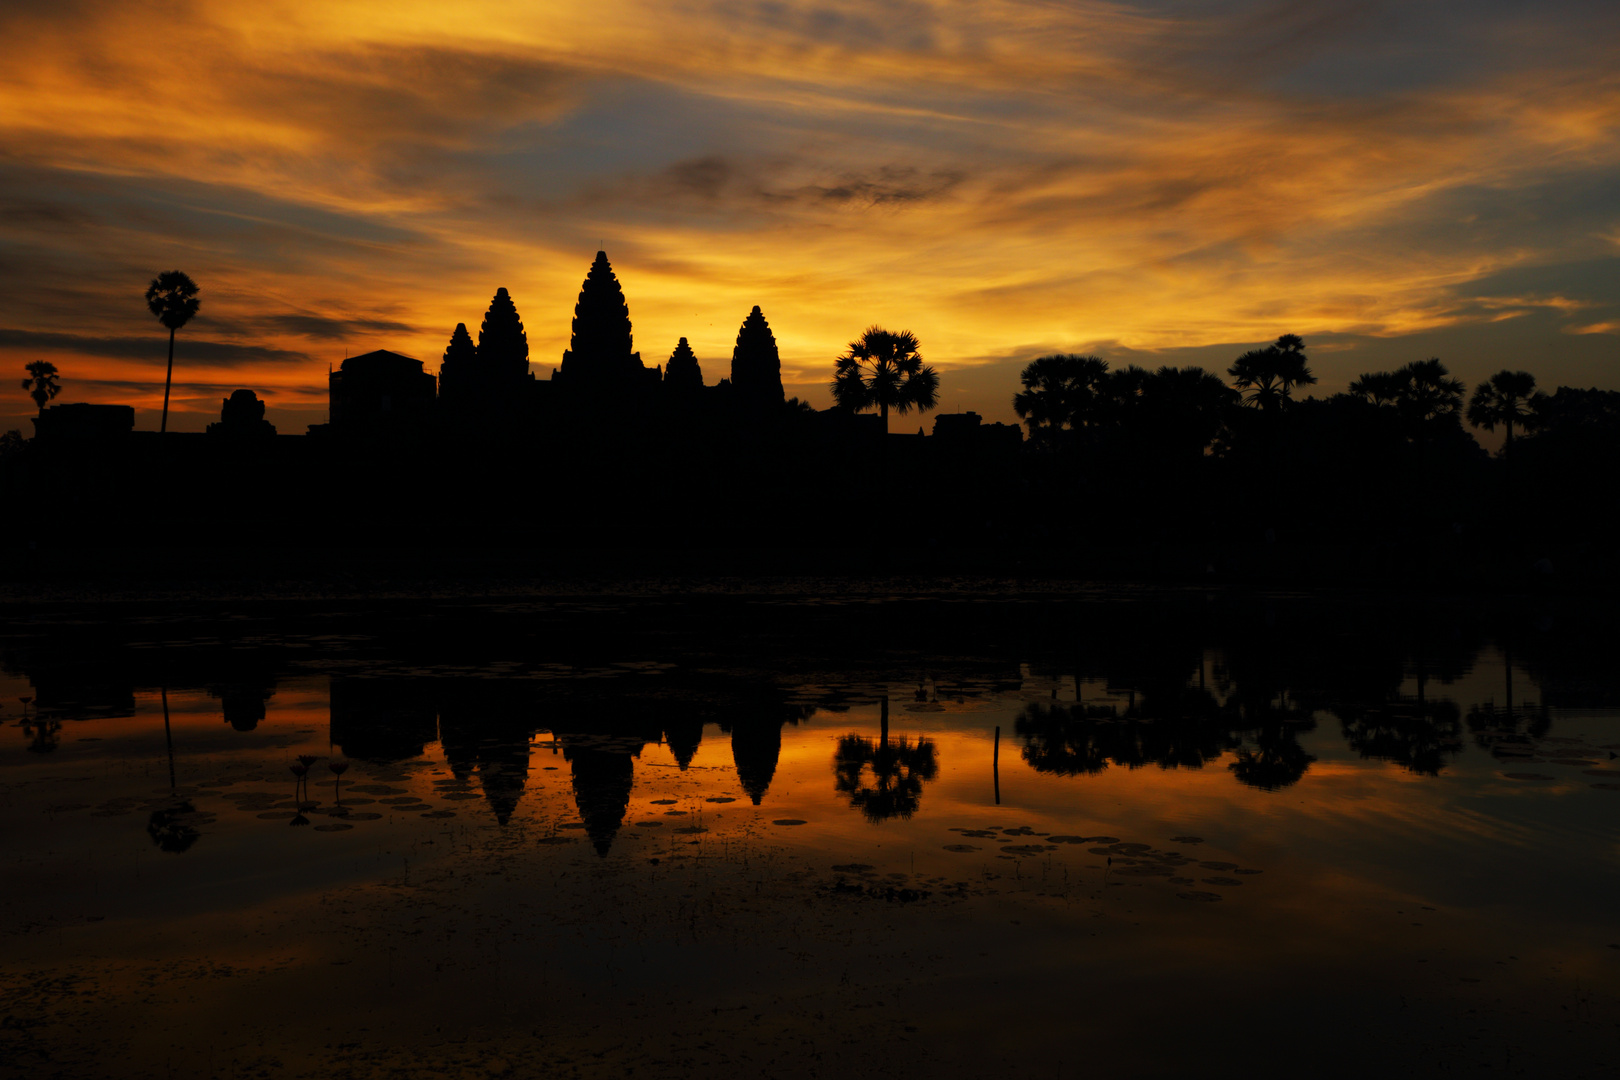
[154, 348]
[319, 326]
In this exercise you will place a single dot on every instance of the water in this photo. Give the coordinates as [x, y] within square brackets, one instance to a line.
[810, 833]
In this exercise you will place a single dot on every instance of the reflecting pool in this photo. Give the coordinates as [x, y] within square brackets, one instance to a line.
[810, 832]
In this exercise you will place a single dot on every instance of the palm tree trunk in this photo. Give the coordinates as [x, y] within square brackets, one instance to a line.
[167, 379]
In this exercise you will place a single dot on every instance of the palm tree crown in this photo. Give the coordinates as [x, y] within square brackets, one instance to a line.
[172, 297]
[1427, 392]
[41, 383]
[1060, 390]
[1270, 374]
[885, 370]
[1506, 398]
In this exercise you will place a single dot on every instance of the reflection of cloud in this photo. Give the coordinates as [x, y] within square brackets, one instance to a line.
[991, 176]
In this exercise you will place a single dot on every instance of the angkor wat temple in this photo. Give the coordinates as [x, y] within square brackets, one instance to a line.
[604, 452]
[486, 389]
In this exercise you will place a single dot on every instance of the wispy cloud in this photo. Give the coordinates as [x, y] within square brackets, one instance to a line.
[1161, 176]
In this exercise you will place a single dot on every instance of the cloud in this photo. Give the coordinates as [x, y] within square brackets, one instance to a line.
[153, 348]
[319, 326]
[1004, 178]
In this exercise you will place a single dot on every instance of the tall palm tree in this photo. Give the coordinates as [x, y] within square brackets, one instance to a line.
[1427, 392]
[885, 370]
[41, 383]
[1059, 390]
[1505, 398]
[172, 297]
[1270, 374]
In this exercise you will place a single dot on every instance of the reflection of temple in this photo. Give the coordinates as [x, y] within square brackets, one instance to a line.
[242, 704]
[484, 729]
[755, 727]
[756, 745]
[383, 720]
[602, 783]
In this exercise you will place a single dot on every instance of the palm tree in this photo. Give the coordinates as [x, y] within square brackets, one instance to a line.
[1378, 387]
[1270, 374]
[1426, 391]
[885, 370]
[172, 297]
[1505, 398]
[1059, 390]
[41, 383]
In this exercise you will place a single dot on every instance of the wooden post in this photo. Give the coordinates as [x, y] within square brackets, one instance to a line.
[995, 763]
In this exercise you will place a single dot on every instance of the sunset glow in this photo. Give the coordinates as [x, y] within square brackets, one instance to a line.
[1153, 182]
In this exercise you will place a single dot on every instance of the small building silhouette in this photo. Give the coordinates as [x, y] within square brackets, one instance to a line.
[84, 422]
[241, 416]
[379, 392]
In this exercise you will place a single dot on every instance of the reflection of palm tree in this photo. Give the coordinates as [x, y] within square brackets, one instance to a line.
[171, 829]
[43, 735]
[898, 767]
[885, 370]
[1067, 741]
[172, 297]
[1274, 761]
[1270, 756]
[1415, 735]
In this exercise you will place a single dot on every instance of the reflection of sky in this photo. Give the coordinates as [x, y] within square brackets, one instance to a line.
[1160, 182]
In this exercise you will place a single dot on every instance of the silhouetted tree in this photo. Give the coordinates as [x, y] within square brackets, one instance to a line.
[172, 297]
[41, 383]
[1426, 392]
[682, 374]
[885, 370]
[1507, 398]
[1059, 391]
[1377, 387]
[1269, 375]
[756, 366]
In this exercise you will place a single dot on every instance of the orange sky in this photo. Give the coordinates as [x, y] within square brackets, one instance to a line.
[1156, 182]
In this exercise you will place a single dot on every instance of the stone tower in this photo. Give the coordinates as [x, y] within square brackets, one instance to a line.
[756, 368]
[682, 374]
[599, 355]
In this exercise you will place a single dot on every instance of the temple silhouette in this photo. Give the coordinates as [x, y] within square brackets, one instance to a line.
[487, 391]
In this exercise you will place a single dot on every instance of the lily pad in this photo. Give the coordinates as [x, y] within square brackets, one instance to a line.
[961, 849]
[1199, 896]
[789, 821]
[1222, 881]
[336, 826]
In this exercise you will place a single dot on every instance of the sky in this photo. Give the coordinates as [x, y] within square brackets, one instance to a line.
[1154, 182]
